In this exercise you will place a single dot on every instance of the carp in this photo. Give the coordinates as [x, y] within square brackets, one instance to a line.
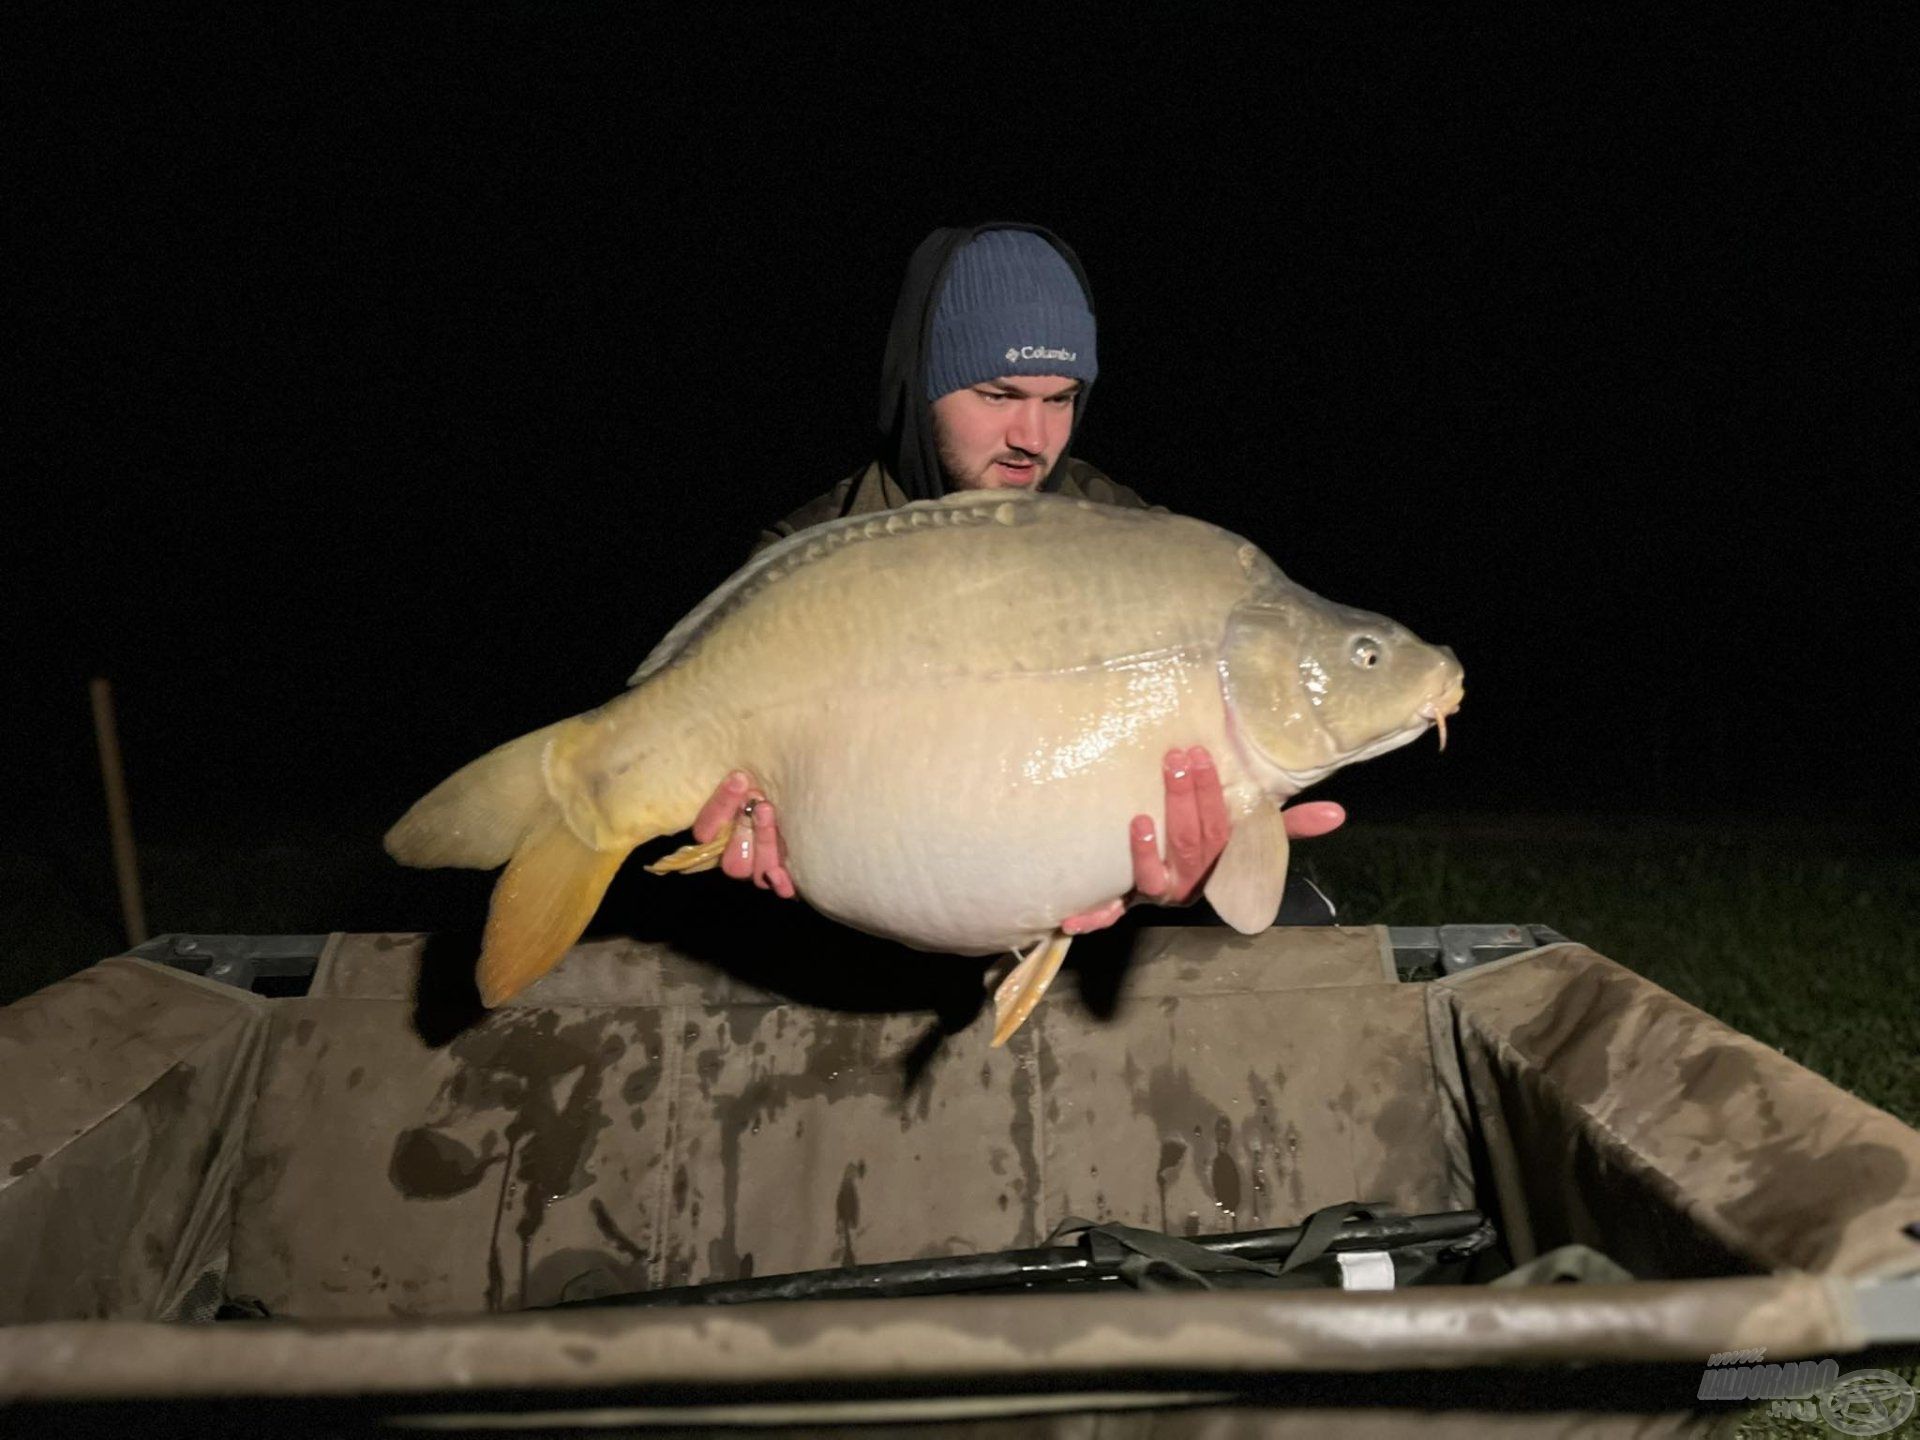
[957, 707]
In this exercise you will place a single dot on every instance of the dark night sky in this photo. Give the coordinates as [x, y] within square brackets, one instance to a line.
[398, 378]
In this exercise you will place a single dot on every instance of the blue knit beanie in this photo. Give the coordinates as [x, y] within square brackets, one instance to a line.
[1011, 305]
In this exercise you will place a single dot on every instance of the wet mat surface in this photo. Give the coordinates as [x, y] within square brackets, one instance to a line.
[695, 1129]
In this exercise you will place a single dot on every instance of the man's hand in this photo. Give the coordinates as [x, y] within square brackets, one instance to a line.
[1197, 831]
[755, 851]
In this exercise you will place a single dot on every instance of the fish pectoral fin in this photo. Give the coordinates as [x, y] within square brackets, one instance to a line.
[1251, 874]
[541, 904]
[1015, 997]
[691, 859]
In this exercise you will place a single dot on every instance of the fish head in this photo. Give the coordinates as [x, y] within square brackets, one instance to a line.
[1311, 686]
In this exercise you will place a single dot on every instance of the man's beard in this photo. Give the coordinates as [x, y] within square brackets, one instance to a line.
[950, 469]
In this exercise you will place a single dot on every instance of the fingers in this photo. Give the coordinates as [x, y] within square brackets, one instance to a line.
[1150, 875]
[766, 842]
[1186, 849]
[1211, 799]
[1198, 828]
[769, 854]
[1098, 918]
[754, 849]
[1316, 817]
[718, 812]
[736, 861]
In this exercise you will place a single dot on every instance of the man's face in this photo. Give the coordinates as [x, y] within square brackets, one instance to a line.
[1004, 434]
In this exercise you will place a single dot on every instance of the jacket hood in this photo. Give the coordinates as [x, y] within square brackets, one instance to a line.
[907, 448]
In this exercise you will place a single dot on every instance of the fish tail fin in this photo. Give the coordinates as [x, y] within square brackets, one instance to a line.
[479, 816]
[541, 905]
[525, 805]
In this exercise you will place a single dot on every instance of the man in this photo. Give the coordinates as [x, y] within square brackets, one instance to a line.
[970, 296]
[987, 370]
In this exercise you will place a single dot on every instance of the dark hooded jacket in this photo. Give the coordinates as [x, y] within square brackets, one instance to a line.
[907, 466]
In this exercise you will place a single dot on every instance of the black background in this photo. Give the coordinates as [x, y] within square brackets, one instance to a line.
[393, 378]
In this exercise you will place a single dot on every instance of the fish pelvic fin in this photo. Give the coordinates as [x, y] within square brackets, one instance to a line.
[1014, 999]
[479, 816]
[693, 859]
[541, 905]
[1250, 876]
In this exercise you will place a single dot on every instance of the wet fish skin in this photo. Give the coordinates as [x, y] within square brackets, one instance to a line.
[957, 707]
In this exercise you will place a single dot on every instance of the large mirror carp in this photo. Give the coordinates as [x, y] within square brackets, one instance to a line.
[957, 707]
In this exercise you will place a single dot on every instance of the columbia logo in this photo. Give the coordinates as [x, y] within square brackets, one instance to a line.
[1012, 353]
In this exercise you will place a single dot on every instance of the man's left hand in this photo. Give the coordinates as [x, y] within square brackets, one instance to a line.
[1197, 831]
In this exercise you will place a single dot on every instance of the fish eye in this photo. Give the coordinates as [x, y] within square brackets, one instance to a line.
[1365, 652]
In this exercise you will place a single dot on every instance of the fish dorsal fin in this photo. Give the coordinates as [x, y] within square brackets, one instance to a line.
[1251, 874]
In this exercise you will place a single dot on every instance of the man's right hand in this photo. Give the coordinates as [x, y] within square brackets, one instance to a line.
[754, 852]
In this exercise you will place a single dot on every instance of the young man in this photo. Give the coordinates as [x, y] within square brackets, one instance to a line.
[987, 370]
[983, 310]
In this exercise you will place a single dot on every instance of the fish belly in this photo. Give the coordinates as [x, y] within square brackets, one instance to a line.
[973, 819]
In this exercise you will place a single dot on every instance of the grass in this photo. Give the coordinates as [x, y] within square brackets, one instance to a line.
[1811, 945]
[1759, 1424]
